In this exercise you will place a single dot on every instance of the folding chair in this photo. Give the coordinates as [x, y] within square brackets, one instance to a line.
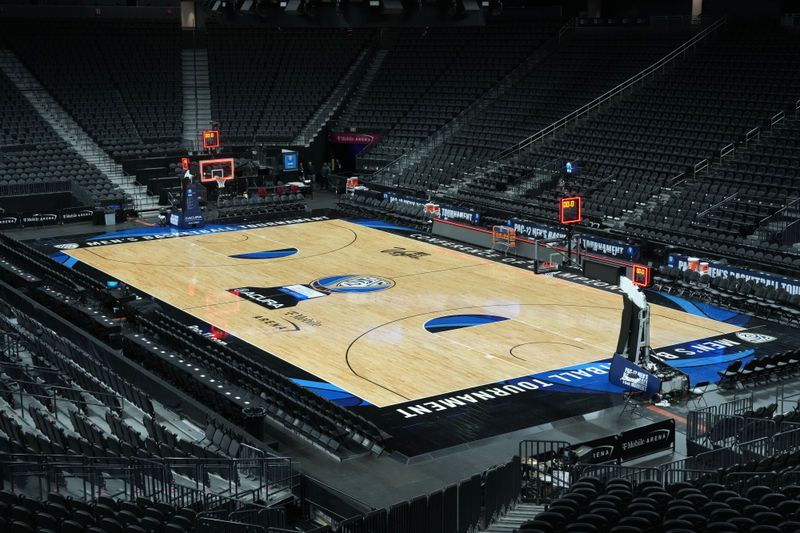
[632, 403]
[697, 394]
[728, 376]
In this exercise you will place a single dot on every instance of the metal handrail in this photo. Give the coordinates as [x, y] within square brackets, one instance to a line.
[777, 118]
[569, 25]
[677, 179]
[346, 85]
[23, 392]
[602, 181]
[790, 477]
[165, 462]
[791, 203]
[740, 481]
[23, 188]
[673, 475]
[206, 524]
[536, 56]
[160, 469]
[58, 387]
[726, 150]
[320, 529]
[700, 166]
[716, 205]
[750, 135]
[387, 165]
[636, 78]
[610, 470]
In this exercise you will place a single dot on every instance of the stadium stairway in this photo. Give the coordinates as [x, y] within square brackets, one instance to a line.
[72, 133]
[363, 86]
[546, 134]
[514, 518]
[409, 163]
[661, 197]
[196, 95]
[786, 218]
[328, 108]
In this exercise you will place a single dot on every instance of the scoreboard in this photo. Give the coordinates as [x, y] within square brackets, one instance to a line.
[570, 210]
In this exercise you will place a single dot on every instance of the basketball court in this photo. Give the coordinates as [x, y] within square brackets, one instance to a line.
[386, 318]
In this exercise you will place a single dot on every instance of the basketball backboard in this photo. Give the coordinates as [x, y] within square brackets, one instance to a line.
[216, 170]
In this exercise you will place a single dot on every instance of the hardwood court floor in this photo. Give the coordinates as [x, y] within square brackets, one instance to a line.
[374, 344]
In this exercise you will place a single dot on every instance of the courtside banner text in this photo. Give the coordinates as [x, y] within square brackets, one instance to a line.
[608, 247]
[352, 138]
[630, 376]
[715, 269]
[446, 211]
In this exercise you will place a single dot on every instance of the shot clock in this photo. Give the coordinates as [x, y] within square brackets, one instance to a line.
[570, 210]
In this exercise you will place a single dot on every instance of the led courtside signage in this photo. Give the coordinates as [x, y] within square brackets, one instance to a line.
[570, 210]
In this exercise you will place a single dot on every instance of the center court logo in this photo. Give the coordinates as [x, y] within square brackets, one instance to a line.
[352, 283]
[288, 296]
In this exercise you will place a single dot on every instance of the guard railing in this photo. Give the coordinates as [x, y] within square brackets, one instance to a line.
[648, 72]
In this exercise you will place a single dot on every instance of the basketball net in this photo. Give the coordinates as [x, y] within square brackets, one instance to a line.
[220, 182]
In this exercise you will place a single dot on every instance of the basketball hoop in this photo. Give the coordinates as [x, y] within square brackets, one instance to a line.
[217, 170]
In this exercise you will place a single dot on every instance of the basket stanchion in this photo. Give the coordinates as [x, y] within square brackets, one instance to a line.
[504, 238]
